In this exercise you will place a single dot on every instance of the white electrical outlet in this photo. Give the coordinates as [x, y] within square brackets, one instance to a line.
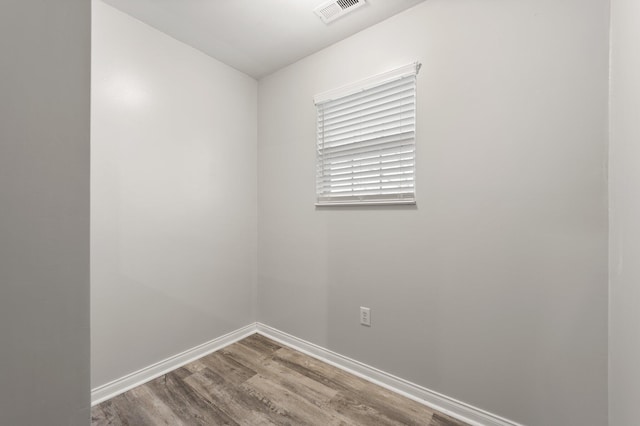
[365, 316]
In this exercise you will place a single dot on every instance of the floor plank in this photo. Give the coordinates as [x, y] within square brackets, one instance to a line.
[234, 401]
[442, 420]
[256, 382]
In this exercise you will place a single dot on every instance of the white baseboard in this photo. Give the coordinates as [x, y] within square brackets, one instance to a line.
[452, 407]
[137, 378]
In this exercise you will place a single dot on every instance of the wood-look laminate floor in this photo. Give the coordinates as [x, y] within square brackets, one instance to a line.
[256, 381]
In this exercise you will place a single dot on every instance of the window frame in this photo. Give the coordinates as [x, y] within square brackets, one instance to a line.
[381, 198]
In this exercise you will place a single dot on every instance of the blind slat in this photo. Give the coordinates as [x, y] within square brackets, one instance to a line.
[343, 157]
[395, 120]
[353, 173]
[406, 96]
[366, 184]
[404, 91]
[389, 116]
[369, 185]
[356, 146]
[366, 112]
[337, 167]
[375, 191]
[365, 93]
[373, 131]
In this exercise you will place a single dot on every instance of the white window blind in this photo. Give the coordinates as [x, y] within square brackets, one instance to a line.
[366, 141]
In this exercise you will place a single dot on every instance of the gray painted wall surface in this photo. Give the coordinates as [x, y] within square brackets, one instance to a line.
[624, 193]
[173, 197]
[493, 290]
[44, 212]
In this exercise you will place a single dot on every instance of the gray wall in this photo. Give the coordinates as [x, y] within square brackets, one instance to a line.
[494, 289]
[624, 194]
[173, 197]
[44, 212]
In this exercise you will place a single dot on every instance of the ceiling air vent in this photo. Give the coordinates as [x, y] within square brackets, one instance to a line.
[334, 9]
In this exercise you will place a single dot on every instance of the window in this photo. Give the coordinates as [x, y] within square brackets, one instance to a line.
[366, 141]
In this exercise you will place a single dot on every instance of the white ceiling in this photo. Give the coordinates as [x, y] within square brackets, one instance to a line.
[256, 37]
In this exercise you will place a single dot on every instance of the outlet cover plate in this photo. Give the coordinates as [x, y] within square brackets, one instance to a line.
[365, 316]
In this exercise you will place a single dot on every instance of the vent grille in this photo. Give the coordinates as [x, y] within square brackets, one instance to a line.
[334, 9]
[347, 3]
